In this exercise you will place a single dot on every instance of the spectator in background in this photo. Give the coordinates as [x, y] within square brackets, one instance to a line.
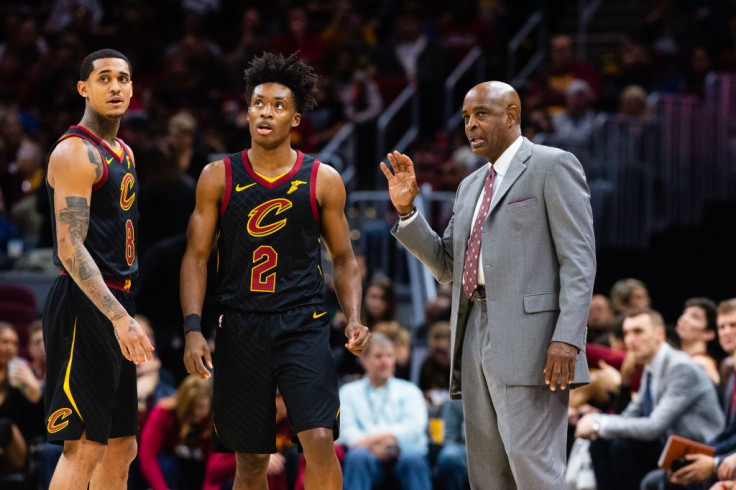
[401, 338]
[37, 351]
[600, 319]
[167, 197]
[549, 87]
[633, 101]
[154, 382]
[434, 377]
[253, 41]
[176, 440]
[675, 398]
[21, 408]
[64, 13]
[701, 64]
[9, 237]
[384, 424]
[28, 169]
[696, 330]
[299, 37]
[573, 127]
[422, 62]
[628, 294]
[379, 302]
[452, 461]
[702, 470]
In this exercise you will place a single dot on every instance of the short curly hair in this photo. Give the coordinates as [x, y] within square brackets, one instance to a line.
[290, 72]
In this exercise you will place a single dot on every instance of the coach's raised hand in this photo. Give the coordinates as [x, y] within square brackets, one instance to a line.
[402, 183]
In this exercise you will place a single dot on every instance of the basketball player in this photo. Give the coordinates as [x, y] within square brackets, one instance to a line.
[89, 330]
[269, 206]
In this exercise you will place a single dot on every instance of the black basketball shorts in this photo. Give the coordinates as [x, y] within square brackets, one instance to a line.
[257, 352]
[90, 386]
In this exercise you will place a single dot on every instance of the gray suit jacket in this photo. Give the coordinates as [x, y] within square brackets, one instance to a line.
[538, 261]
[686, 405]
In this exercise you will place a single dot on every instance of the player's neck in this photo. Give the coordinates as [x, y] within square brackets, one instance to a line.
[104, 128]
[266, 160]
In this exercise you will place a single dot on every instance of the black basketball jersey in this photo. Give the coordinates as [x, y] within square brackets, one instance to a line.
[113, 212]
[269, 241]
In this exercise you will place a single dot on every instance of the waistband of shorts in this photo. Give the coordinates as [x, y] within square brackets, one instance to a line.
[119, 284]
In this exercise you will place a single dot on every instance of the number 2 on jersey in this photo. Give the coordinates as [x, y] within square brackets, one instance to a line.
[265, 258]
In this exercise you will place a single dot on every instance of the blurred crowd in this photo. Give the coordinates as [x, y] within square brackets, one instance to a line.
[188, 106]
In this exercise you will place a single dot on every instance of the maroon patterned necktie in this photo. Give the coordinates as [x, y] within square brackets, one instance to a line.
[470, 267]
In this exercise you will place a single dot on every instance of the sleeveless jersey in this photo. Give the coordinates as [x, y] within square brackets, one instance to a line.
[269, 242]
[113, 214]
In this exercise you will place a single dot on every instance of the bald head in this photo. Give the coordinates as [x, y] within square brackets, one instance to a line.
[492, 117]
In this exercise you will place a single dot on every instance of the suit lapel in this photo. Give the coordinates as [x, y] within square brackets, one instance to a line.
[516, 168]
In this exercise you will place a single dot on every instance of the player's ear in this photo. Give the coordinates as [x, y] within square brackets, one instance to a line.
[82, 88]
[296, 120]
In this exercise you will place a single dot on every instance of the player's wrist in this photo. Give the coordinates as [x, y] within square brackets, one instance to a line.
[192, 323]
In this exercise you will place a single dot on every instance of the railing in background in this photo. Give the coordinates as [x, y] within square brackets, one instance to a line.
[621, 179]
[647, 174]
[586, 11]
[340, 152]
[452, 112]
[371, 215]
[407, 96]
[535, 21]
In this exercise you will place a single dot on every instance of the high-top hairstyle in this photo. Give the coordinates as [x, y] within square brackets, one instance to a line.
[290, 72]
[88, 63]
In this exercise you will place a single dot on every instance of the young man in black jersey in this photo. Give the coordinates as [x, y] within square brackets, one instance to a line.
[89, 329]
[269, 207]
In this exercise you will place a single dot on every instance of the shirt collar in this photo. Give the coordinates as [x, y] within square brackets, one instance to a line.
[655, 367]
[502, 163]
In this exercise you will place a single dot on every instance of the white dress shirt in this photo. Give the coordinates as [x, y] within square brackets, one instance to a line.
[501, 166]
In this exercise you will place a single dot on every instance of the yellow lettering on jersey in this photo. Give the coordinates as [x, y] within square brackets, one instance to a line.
[294, 185]
[255, 225]
[126, 199]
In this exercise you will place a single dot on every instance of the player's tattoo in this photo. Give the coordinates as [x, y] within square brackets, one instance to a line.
[86, 267]
[94, 158]
[76, 216]
[117, 335]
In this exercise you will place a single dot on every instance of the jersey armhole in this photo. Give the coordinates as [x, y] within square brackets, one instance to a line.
[313, 191]
[228, 185]
[98, 185]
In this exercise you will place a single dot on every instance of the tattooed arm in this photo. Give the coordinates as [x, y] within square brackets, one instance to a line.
[74, 167]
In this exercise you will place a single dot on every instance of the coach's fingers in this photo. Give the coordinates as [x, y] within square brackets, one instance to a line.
[386, 171]
[394, 163]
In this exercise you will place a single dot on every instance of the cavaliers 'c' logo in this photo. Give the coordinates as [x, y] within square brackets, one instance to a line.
[256, 217]
[126, 198]
[54, 419]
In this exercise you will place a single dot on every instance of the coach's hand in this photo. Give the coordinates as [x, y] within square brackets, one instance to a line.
[196, 348]
[561, 358]
[358, 338]
[402, 182]
[134, 343]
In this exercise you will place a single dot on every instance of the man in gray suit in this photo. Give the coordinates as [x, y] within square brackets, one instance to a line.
[676, 397]
[520, 252]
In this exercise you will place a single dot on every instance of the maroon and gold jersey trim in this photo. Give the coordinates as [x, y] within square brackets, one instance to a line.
[228, 185]
[265, 183]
